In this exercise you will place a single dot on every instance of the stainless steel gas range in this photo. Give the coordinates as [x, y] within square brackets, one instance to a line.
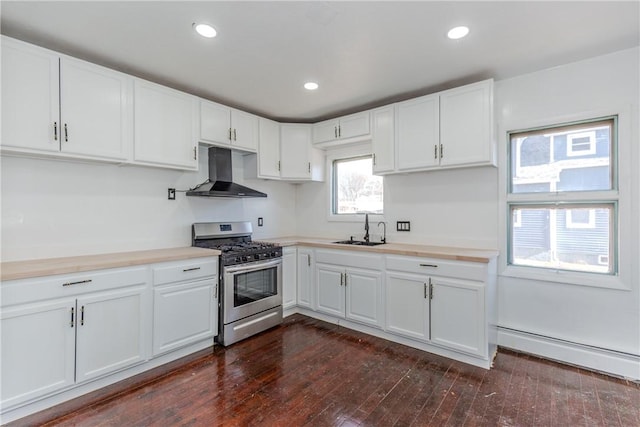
[250, 279]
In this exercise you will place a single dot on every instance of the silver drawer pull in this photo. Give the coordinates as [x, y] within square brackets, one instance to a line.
[191, 269]
[77, 283]
[429, 265]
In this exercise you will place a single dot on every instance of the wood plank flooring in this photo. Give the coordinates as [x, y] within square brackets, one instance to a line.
[311, 373]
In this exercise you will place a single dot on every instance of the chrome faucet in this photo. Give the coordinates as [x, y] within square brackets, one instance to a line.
[366, 228]
[384, 231]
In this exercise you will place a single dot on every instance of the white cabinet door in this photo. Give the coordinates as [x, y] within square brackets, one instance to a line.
[330, 290]
[269, 149]
[305, 278]
[109, 332]
[183, 314]
[466, 117]
[245, 131]
[364, 296]
[289, 285]
[417, 133]
[383, 139]
[407, 305]
[30, 97]
[96, 110]
[38, 350]
[325, 131]
[215, 122]
[458, 315]
[165, 126]
[354, 125]
[295, 146]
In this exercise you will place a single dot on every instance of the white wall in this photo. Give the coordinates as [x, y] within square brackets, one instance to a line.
[594, 316]
[58, 208]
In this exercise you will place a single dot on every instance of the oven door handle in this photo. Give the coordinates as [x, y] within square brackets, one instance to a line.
[252, 266]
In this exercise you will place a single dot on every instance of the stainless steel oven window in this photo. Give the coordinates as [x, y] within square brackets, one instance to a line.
[254, 286]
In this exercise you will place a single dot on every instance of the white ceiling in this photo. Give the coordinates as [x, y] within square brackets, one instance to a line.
[362, 54]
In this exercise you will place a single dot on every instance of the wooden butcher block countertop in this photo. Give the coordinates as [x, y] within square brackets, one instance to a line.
[52, 266]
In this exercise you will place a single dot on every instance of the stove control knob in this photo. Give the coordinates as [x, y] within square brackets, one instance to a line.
[238, 259]
[256, 257]
[273, 254]
[244, 259]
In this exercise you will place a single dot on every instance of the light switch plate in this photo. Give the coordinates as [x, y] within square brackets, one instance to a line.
[403, 225]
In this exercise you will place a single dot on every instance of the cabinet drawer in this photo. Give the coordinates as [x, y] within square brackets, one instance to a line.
[184, 270]
[438, 267]
[349, 259]
[67, 285]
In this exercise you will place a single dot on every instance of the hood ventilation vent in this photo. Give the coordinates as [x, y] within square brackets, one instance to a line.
[220, 182]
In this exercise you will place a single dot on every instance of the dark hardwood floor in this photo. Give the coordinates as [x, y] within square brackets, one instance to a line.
[311, 373]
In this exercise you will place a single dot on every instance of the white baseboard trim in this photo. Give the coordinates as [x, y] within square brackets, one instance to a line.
[611, 362]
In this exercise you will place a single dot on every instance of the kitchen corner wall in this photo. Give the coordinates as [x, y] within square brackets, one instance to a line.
[53, 208]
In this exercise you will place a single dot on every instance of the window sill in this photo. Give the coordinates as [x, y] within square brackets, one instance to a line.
[359, 218]
[594, 280]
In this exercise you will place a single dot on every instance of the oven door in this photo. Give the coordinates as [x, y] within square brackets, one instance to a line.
[251, 288]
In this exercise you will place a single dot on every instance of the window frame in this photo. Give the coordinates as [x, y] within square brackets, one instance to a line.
[621, 157]
[342, 153]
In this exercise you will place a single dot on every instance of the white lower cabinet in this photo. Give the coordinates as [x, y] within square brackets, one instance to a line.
[185, 303]
[407, 302]
[458, 315]
[289, 285]
[305, 277]
[350, 292]
[65, 330]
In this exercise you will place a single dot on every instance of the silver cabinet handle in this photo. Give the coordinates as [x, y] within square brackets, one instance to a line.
[309, 167]
[441, 151]
[230, 135]
[345, 280]
[66, 133]
[374, 158]
[235, 134]
[55, 131]
[430, 289]
[82, 316]
[309, 260]
[72, 314]
[425, 290]
[195, 151]
[77, 283]
[429, 265]
[278, 165]
[339, 131]
[435, 151]
[191, 269]
[335, 131]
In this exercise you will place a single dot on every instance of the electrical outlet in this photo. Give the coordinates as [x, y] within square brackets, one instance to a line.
[260, 222]
[403, 225]
[171, 194]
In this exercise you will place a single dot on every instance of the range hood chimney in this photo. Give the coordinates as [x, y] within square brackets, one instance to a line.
[220, 182]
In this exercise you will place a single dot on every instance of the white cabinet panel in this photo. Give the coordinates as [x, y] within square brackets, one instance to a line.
[325, 131]
[184, 313]
[466, 117]
[215, 122]
[383, 139]
[269, 149]
[344, 129]
[305, 277]
[30, 97]
[165, 126]
[38, 350]
[364, 296]
[289, 285]
[109, 332]
[458, 315]
[354, 125]
[330, 291]
[298, 160]
[417, 133]
[245, 129]
[407, 305]
[95, 110]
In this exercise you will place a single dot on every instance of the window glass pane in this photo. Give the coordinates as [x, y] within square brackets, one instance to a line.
[356, 189]
[567, 158]
[575, 237]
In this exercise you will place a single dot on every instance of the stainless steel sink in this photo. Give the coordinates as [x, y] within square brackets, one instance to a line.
[358, 243]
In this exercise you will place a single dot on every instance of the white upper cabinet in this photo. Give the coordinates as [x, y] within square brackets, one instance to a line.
[299, 161]
[224, 126]
[269, 149]
[58, 105]
[165, 127]
[466, 125]
[352, 128]
[417, 133]
[383, 139]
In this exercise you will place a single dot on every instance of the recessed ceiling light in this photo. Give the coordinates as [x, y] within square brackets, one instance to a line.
[311, 85]
[457, 33]
[205, 30]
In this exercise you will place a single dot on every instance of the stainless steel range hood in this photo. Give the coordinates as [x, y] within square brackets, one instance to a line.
[220, 182]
